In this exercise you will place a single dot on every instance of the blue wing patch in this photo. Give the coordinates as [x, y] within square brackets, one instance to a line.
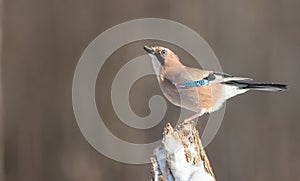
[196, 83]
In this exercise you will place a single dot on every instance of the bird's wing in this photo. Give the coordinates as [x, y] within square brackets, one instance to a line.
[198, 77]
[217, 77]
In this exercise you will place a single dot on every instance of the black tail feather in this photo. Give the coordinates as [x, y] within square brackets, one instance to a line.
[257, 85]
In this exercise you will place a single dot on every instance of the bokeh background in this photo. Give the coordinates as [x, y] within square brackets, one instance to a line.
[42, 41]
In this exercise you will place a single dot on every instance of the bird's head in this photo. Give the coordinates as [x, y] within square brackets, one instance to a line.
[164, 55]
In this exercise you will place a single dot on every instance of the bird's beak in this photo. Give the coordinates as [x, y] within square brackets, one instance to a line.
[148, 49]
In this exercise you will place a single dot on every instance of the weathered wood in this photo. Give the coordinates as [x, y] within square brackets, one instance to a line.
[181, 156]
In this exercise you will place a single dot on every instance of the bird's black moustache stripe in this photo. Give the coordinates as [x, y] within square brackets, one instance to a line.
[160, 59]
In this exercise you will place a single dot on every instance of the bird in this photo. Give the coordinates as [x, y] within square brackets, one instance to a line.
[197, 90]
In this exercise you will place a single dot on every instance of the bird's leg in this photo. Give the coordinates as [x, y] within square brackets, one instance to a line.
[189, 119]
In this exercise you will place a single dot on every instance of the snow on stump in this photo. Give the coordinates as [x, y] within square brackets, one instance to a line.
[181, 156]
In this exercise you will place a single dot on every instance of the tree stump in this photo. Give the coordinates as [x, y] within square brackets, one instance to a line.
[181, 156]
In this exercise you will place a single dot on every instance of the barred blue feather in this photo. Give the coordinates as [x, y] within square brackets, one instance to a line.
[197, 83]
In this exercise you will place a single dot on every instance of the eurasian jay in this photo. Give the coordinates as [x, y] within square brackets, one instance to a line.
[197, 90]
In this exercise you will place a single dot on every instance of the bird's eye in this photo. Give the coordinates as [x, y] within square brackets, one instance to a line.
[163, 52]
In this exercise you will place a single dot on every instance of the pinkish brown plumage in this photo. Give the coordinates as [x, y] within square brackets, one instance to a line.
[198, 90]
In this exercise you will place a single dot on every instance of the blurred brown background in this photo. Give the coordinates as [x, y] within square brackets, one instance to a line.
[41, 45]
